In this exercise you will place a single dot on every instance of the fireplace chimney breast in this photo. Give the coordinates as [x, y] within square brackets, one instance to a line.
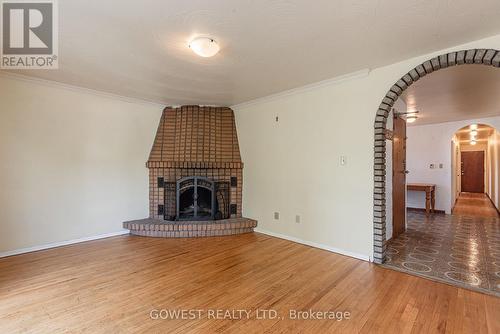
[196, 142]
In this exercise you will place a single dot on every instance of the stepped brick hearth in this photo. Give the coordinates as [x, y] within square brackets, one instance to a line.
[195, 176]
[172, 229]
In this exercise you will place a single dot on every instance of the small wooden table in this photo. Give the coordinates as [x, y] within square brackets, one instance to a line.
[430, 194]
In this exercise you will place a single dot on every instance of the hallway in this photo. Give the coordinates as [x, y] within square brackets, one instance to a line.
[461, 249]
[474, 204]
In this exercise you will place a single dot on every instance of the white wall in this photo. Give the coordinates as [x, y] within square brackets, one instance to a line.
[293, 166]
[493, 184]
[72, 162]
[430, 144]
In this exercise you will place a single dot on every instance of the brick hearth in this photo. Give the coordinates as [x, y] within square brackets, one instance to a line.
[189, 229]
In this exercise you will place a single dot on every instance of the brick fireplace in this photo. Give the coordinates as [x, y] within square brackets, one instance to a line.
[195, 176]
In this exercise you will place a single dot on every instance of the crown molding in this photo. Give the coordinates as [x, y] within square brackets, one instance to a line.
[324, 83]
[293, 91]
[58, 84]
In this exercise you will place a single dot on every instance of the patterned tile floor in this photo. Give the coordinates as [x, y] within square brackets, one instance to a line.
[459, 250]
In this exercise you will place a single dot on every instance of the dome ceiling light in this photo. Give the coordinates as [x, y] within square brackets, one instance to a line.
[204, 46]
[410, 116]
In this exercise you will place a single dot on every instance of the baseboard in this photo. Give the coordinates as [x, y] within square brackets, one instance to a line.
[455, 204]
[315, 245]
[61, 243]
[493, 203]
[423, 210]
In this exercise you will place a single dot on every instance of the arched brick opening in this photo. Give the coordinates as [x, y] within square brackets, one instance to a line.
[474, 56]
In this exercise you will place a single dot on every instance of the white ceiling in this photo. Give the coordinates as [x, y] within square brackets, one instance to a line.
[454, 94]
[139, 48]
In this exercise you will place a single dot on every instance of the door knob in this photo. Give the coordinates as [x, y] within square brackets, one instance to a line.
[406, 172]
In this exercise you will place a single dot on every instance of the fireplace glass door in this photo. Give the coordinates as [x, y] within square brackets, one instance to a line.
[195, 199]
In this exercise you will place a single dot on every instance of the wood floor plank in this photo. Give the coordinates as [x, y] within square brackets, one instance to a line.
[111, 286]
[474, 204]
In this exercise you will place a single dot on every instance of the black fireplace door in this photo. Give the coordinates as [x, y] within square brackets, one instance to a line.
[195, 199]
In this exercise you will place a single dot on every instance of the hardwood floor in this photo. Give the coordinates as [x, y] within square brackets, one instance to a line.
[474, 204]
[111, 286]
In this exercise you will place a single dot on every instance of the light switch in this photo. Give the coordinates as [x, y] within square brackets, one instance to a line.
[342, 160]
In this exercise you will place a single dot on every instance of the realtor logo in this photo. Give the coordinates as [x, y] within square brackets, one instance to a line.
[29, 34]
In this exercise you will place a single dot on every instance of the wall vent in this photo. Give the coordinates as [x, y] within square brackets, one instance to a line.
[161, 182]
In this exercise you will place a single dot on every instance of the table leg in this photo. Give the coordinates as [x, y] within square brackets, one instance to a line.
[433, 200]
[427, 201]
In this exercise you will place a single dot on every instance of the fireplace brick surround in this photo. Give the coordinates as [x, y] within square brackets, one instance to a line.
[195, 176]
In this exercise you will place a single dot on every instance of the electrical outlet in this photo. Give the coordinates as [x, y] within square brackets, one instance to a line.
[276, 216]
[432, 166]
[441, 166]
[297, 219]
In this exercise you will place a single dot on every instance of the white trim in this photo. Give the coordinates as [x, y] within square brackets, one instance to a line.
[306, 88]
[113, 234]
[58, 84]
[51, 83]
[315, 245]
[61, 243]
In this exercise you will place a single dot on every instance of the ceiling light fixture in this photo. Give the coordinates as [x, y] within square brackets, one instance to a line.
[411, 118]
[204, 46]
[473, 127]
[473, 133]
[473, 142]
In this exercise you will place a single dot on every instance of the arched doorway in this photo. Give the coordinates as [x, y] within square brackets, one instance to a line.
[489, 57]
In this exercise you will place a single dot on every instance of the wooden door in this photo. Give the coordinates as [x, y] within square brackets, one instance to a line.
[473, 172]
[398, 177]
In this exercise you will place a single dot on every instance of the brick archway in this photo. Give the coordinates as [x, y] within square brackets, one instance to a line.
[474, 56]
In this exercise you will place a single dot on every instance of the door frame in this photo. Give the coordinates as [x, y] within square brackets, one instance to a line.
[483, 184]
[398, 223]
